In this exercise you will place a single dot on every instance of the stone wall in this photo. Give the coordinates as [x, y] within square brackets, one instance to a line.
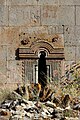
[36, 17]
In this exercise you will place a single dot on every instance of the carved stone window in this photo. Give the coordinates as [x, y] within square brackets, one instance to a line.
[35, 73]
[42, 55]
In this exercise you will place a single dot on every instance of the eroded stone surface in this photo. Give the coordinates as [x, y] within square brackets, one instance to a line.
[57, 15]
[3, 15]
[70, 53]
[24, 15]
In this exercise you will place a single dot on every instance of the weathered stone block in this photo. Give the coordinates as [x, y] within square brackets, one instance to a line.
[77, 15]
[3, 15]
[3, 63]
[11, 52]
[12, 36]
[78, 53]
[66, 15]
[12, 72]
[2, 36]
[77, 33]
[70, 53]
[19, 15]
[3, 70]
[3, 52]
[35, 30]
[21, 2]
[66, 2]
[69, 35]
[35, 15]
[59, 2]
[51, 29]
[9, 35]
[48, 2]
[57, 15]
[24, 15]
[32, 2]
[2, 2]
[55, 29]
[49, 15]
[59, 29]
[69, 2]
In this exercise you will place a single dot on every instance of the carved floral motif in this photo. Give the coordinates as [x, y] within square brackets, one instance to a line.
[25, 41]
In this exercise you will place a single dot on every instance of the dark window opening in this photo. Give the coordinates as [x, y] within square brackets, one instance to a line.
[42, 69]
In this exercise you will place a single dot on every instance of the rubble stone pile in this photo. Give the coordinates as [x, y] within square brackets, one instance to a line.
[56, 109]
[57, 101]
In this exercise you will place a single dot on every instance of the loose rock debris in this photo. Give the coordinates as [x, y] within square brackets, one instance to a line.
[39, 109]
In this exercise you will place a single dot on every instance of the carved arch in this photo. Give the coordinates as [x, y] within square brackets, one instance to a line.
[32, 50]
[42, 44]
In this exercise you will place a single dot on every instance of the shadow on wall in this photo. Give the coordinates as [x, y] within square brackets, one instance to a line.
[17, 54]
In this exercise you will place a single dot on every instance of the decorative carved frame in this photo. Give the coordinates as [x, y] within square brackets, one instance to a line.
[32, 51]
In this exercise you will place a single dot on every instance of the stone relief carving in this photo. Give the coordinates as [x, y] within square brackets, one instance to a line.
[25, 41]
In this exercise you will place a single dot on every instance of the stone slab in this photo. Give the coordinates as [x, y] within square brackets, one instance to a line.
[21, 2]
[69, 2]
[2, 36]
[51, 29]
[3, 63]
[35, 15]
[77, 33]
[59, 2]
[78, 53]
[70, 53]
[69, 36]
[3, 52]
[34, 30]
[49, 15]
[3, 71]
[42, 2]
[12, 36]
[24, 15]
[9, 36]
[11, 52]
[11, 71]
[48, 2]
[19, 15]
[2, 2]
[19, 71]
[14, 71]
[66, 15]
[3, 15]
[77, 15]
[57, 15]
[32, 2]
[58, 29]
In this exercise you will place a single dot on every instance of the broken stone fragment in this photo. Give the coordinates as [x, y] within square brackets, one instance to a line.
[43, 115]
[30, 115]
[18, 108]
[56, 101]
[3, 113]
[23, 105]
[50, 109]
[16, 117]
[46, 111]
[66, 101]
[50, 104]
[77, 107]
[7, 104]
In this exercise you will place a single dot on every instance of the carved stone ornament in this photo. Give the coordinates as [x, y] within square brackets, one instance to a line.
[54, 45]
[25, 41]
